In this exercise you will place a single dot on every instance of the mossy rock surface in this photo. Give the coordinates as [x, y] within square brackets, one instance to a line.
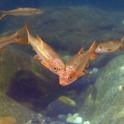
[26, 87]
[107, 107]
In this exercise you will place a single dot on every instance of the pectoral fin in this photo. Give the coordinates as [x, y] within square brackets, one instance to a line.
[92, 56]
[37, 58]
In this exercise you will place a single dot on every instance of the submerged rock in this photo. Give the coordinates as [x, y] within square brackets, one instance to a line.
[109, 99]
[74, 119]
[9, 107]
[24, 85]
[107, 107]
[7, 120]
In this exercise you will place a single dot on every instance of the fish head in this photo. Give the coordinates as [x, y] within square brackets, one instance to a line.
[73, 72]
[68, 77]
[103, 48]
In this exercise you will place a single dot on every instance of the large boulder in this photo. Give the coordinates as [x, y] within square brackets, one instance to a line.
[25, 86]
[105, 105]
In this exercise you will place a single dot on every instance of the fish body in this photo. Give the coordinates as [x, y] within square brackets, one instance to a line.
[110, 46]
[19, 37]
[21, 12]
[46, 55]
[76, 67]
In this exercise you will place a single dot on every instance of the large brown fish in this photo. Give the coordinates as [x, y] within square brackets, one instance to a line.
[20, 12]
[19, 37]
[46, 55]
[76, 67]
[110, 46]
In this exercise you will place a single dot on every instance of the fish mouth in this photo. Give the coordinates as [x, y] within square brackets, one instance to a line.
[39, 11]
[63, 82]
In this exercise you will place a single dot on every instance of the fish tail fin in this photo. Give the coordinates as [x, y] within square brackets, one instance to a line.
[2, 14]
[122, 42]
[21, 36]
[91, 51]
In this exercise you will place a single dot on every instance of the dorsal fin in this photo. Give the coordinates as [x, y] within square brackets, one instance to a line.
[92, 47]
[91, 50]
[29, 35]
[81, 51]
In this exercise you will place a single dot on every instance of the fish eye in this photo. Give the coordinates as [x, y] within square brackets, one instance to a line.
[70, 77]
[100, 47]
[55, 68]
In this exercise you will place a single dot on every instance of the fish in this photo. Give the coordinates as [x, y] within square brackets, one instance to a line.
[46, 55]
[20, 12]
[7, 120]
[110, 46]
[18, 37]
[77, 65]
[67, 100]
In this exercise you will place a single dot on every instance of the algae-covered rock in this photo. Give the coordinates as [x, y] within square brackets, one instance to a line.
[26, 82]
[75, 119]
[107, 107]
[7, 120]
[9, 107]
[109, 99]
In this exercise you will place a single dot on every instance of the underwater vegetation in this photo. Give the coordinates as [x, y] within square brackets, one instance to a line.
[30, 89]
